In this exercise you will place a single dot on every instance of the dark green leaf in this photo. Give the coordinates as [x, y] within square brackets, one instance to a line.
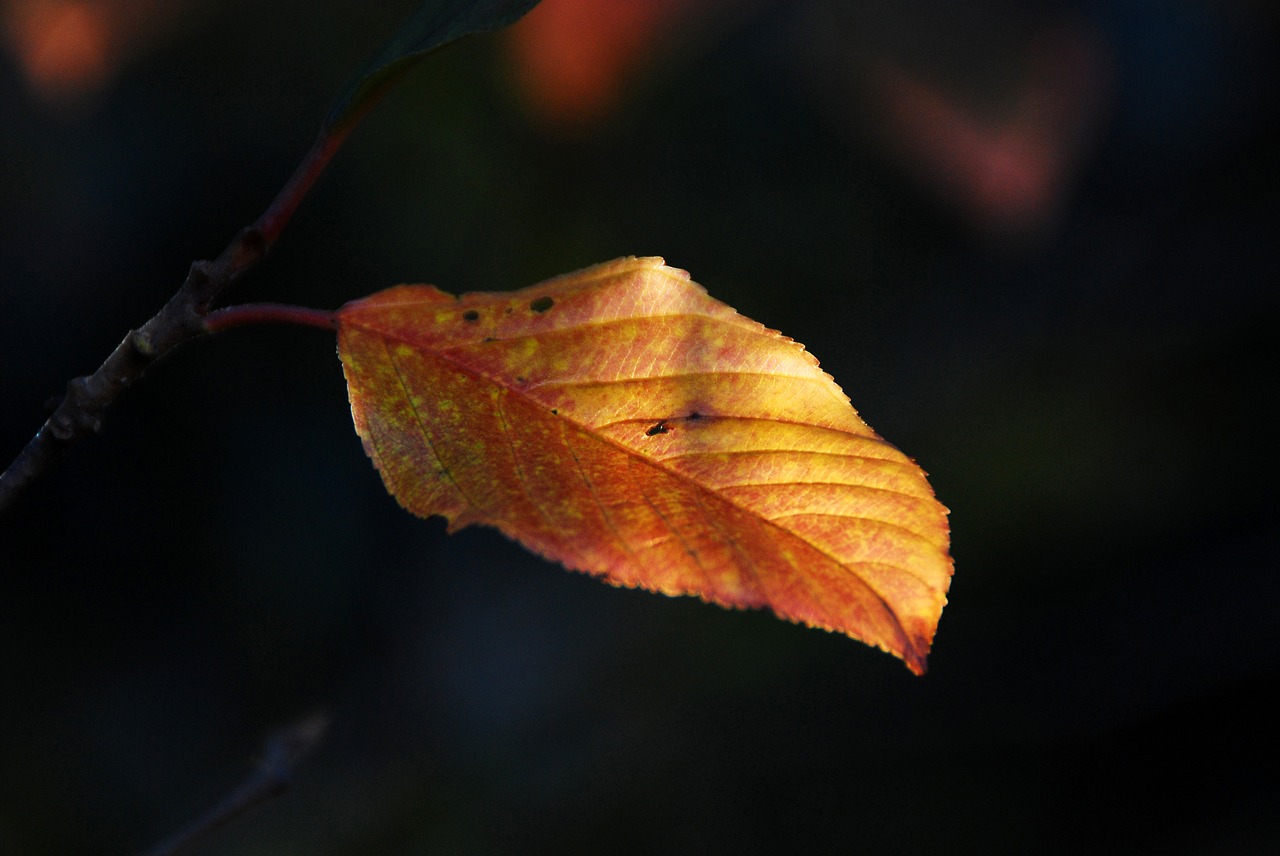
[436, 23]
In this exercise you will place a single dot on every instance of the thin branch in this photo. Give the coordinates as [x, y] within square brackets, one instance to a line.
[284, 750]
[183, 317]
[81, 410]
[282, 208]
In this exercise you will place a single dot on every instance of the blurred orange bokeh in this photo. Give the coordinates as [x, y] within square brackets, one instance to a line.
[70, 49]
[1004, 158]
[574, 58]
[1006, 170]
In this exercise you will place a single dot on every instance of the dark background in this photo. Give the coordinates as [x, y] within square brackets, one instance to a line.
[1081, 364]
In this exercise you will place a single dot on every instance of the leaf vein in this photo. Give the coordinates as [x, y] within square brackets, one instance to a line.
[521, 478]
[579, 384]
[709, 453]
[445, 469]
[844, 517]
[692, 553]
[591, 489]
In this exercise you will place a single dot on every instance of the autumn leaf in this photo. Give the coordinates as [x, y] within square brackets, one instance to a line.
[622, 422]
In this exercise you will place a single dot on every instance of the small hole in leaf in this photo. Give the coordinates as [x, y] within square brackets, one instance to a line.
[471, 315]
[555, 412]
[660, 428]
[542, 304]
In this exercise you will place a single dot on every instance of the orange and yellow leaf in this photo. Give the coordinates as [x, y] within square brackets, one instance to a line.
[622, 422]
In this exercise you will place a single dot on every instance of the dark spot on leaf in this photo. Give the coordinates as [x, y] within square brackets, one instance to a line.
[695, 416]
[542, 304]
[471, 315]
[520, 379]
[660, 428]
[488, 339]
[555, 412]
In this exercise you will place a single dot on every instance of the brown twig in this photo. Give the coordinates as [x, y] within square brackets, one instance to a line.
[283, 752]
[81, 410]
